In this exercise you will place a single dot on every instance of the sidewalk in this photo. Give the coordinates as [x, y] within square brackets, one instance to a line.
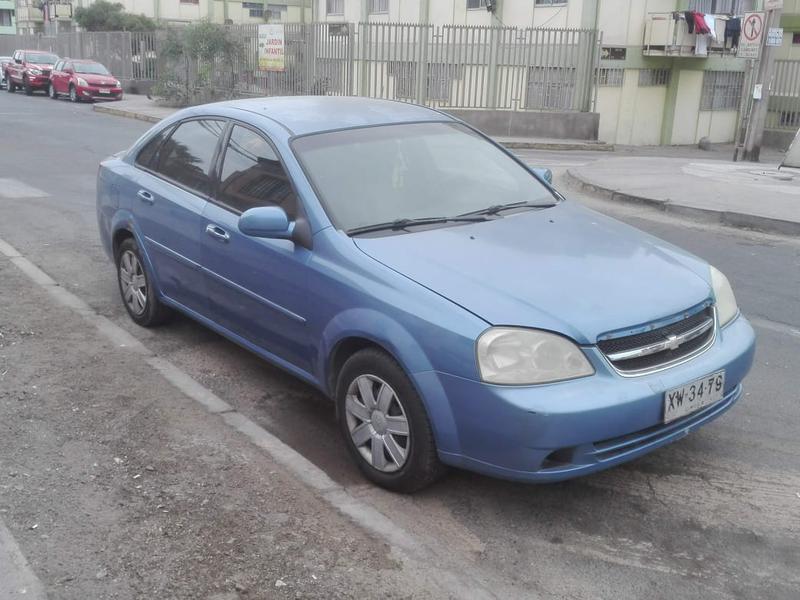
[747, 195]
[139, 107]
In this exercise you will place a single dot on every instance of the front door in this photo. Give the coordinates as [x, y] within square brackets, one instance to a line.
[256, 287]
[169, 197]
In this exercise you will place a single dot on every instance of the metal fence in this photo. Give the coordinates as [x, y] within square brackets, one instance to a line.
[441, 66]
[127, 55]
[784, 101]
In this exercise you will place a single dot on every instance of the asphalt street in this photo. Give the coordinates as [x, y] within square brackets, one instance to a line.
[716, 515]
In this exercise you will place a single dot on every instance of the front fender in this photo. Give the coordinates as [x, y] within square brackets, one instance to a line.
[393, 337]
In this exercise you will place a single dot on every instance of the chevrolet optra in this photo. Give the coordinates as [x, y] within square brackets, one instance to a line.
[456, 307]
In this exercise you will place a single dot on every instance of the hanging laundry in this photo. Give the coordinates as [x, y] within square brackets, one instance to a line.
[700, 24]
[689, 16]
[733, 29]
[712, 26]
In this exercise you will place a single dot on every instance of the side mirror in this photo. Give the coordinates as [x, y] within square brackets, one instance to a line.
[18, 61]
[69, 71]
[545, 174]
[266, 222]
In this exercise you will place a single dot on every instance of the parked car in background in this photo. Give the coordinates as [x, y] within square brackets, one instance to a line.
[457, 309]
[83, 80]
[3, 61]
[29, 70]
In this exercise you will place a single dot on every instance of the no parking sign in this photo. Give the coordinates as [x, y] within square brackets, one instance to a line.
[752, 33]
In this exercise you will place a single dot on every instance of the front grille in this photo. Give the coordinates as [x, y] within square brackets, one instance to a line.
[46, 72]
[662, 346]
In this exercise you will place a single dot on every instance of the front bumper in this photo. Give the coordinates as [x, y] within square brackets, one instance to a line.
[98, 93]
[38, 81]
[563, 430]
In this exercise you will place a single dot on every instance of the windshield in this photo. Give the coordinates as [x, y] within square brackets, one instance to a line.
[91, 68]
[40, 59]
[412, 171]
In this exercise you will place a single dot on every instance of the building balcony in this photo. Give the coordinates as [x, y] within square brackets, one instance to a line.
[664, 35]
[29, 14]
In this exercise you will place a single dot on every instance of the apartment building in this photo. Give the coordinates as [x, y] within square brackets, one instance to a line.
[8, 19]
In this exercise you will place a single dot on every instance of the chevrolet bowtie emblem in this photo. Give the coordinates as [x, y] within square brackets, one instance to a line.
[672, 342]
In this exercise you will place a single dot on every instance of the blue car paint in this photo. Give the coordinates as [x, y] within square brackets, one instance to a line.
[426, 297]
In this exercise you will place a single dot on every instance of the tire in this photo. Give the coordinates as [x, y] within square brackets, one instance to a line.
[11, 87]
[138, 294]
[394, 404]
[51, 91]
[26, 85]
[73, 94]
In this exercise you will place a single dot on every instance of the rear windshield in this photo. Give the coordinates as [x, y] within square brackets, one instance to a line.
[40, 59]
[91, 68]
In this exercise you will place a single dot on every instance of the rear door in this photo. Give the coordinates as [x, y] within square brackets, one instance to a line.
[257, 288]
[170, 195]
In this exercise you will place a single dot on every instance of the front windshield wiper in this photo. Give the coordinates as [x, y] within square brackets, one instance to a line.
[497, 208]
[404, 223]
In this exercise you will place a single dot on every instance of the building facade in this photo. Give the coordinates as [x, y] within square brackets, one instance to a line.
[8, 17]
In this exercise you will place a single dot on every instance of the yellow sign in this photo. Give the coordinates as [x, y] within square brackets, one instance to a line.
[271, 48]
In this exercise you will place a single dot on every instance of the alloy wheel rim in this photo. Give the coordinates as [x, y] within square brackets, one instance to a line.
[377, 423]
[72, 94]
[133, 282]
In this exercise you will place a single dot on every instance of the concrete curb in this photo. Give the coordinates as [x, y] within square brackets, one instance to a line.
[125, 113]
[706, 215]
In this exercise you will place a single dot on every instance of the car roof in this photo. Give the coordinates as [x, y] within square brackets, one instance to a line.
[82, 60]
[302, 115]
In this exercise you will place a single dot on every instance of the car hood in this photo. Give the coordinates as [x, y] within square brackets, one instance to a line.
[97, 79]
[565, 269]
[40, 67]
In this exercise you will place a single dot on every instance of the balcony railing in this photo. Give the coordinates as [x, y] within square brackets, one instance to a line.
[29, 14]
[664, 35]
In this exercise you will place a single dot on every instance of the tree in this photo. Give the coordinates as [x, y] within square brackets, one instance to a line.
[108, 16]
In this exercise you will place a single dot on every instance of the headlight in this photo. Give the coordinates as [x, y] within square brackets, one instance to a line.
[726, 301]
[515, 356]
[35, 72]
[118, 84]
[82, 82]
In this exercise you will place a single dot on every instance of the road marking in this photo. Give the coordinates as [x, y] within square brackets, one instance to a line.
[419, 558]
[17, 579]
[13, 188]
[776, 327]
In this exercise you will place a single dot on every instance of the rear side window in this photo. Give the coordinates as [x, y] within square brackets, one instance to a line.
[146, 154]
[252, 175]
[186, 157]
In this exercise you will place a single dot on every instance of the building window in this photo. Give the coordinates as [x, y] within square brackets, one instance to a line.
[722, 90]
[551, 88]
[796, 38]
[653, 77]
[334, 7]
[611, 77]
[473, 4]
[377, 7]
[189, 1]
[550, 2]
[256, 9]
[719, 7]
[276, 12]
[6, 18]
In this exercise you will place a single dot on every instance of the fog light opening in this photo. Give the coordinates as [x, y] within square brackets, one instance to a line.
[558, 458]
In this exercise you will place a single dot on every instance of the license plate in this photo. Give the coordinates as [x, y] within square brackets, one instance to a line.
[105, 91]
[684, 400]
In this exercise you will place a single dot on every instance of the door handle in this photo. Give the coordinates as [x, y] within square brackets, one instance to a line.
[145, 196]
[217, 233]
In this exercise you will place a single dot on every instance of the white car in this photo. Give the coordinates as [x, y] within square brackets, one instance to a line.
[3, 61]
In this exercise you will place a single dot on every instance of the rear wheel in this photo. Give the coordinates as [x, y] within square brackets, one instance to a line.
[52, 92]
[26, 85]
[138, 294]
[11, 87]
[385, 424]
[73, 94]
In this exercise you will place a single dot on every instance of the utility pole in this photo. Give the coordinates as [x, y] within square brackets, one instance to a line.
[758, 113]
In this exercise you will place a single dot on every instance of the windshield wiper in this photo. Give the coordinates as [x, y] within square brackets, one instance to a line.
[497, 208]
[405, 223]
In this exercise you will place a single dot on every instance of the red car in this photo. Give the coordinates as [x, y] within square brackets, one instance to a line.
[83, 80]
[29, 70]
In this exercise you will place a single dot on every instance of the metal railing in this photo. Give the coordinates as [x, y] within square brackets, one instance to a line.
[441, 66]
[783, 112]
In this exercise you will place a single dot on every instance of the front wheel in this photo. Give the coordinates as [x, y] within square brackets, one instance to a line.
[26, 85]
[138, 294]
[52, 92]
[385, 424]
[73, 94]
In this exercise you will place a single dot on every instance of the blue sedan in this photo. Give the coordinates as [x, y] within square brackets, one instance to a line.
[457, 309]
